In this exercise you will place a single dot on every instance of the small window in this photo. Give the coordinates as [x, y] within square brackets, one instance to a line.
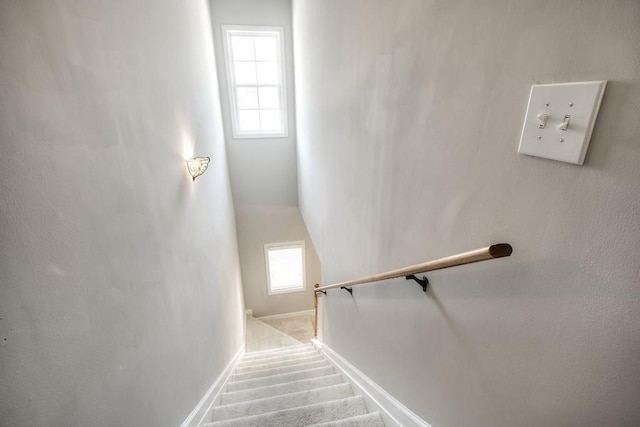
[255, 71]
[285, 267]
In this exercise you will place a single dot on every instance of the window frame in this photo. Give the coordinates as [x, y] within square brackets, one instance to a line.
[255, 30]
[285, 245]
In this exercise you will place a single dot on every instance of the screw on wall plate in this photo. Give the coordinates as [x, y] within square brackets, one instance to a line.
[571, 104]
[546, 104]
[561, 139]
[539, 137]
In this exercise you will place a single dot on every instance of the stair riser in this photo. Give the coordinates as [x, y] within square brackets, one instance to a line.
[276, 358]
[277, 371]
[287, 401]
[369, 420]
[279, 379]
[280, 389]
[313, 358]
[285, 350]
[303, 415]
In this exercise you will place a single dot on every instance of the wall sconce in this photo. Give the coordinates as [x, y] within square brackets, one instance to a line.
[197, 166]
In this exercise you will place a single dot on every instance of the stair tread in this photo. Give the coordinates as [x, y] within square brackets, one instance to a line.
[257, 367]
[293, 367]
[372, 419]
[285, 401]
[279, 350]
[291, 386]
[276, 358]
[279, 389]
[302, 415]
[280, 378]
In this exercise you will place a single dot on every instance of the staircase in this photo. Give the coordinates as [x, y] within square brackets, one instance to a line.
[290, 386]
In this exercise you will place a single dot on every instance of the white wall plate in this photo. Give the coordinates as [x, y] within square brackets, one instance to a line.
[574, 105]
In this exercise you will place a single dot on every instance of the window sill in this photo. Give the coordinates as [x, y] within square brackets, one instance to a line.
[261, 136]
[287, 291]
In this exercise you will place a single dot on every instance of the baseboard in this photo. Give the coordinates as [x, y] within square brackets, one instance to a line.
[199, 413]
[393, 412]
[285, 315]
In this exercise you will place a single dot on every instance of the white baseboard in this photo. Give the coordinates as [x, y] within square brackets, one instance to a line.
[393, 412]
[203, 408]
[285, 315]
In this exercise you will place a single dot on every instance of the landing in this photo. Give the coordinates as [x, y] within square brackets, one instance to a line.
[284, 333]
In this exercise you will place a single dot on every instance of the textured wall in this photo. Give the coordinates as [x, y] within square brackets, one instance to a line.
[120, 294]
[263, 171]
[409, 115]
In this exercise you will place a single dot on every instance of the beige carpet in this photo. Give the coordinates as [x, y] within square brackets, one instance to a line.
[261, 336]
[290, 386]
[299, 328]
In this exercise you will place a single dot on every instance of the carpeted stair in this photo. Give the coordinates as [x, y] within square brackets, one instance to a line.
[290, 386]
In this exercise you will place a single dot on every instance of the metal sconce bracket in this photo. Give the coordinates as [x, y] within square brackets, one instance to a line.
[347, 289]
[324, 292]
[422, 282]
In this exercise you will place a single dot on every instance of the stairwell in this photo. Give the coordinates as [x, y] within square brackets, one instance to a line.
[290, 386]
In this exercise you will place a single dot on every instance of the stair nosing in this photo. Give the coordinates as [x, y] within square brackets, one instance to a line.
[313, 356]
[374, 413]
[267, 414]
[280, 385]
[278, 357]
[326, 362]
[278, 375]
[286, 395]
[278, 350]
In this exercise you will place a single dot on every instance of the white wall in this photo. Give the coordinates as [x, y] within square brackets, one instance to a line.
[120, 293]
[264, 171]
[409, 115]
[272, 224]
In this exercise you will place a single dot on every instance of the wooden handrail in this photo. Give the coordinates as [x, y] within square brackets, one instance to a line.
[491, 252]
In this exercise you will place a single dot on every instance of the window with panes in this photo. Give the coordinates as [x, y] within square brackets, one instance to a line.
[255, 71]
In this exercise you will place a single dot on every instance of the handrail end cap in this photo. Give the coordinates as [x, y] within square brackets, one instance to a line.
[500, 250]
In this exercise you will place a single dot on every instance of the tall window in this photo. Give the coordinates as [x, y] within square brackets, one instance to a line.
[255, 71]
[285, 267]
